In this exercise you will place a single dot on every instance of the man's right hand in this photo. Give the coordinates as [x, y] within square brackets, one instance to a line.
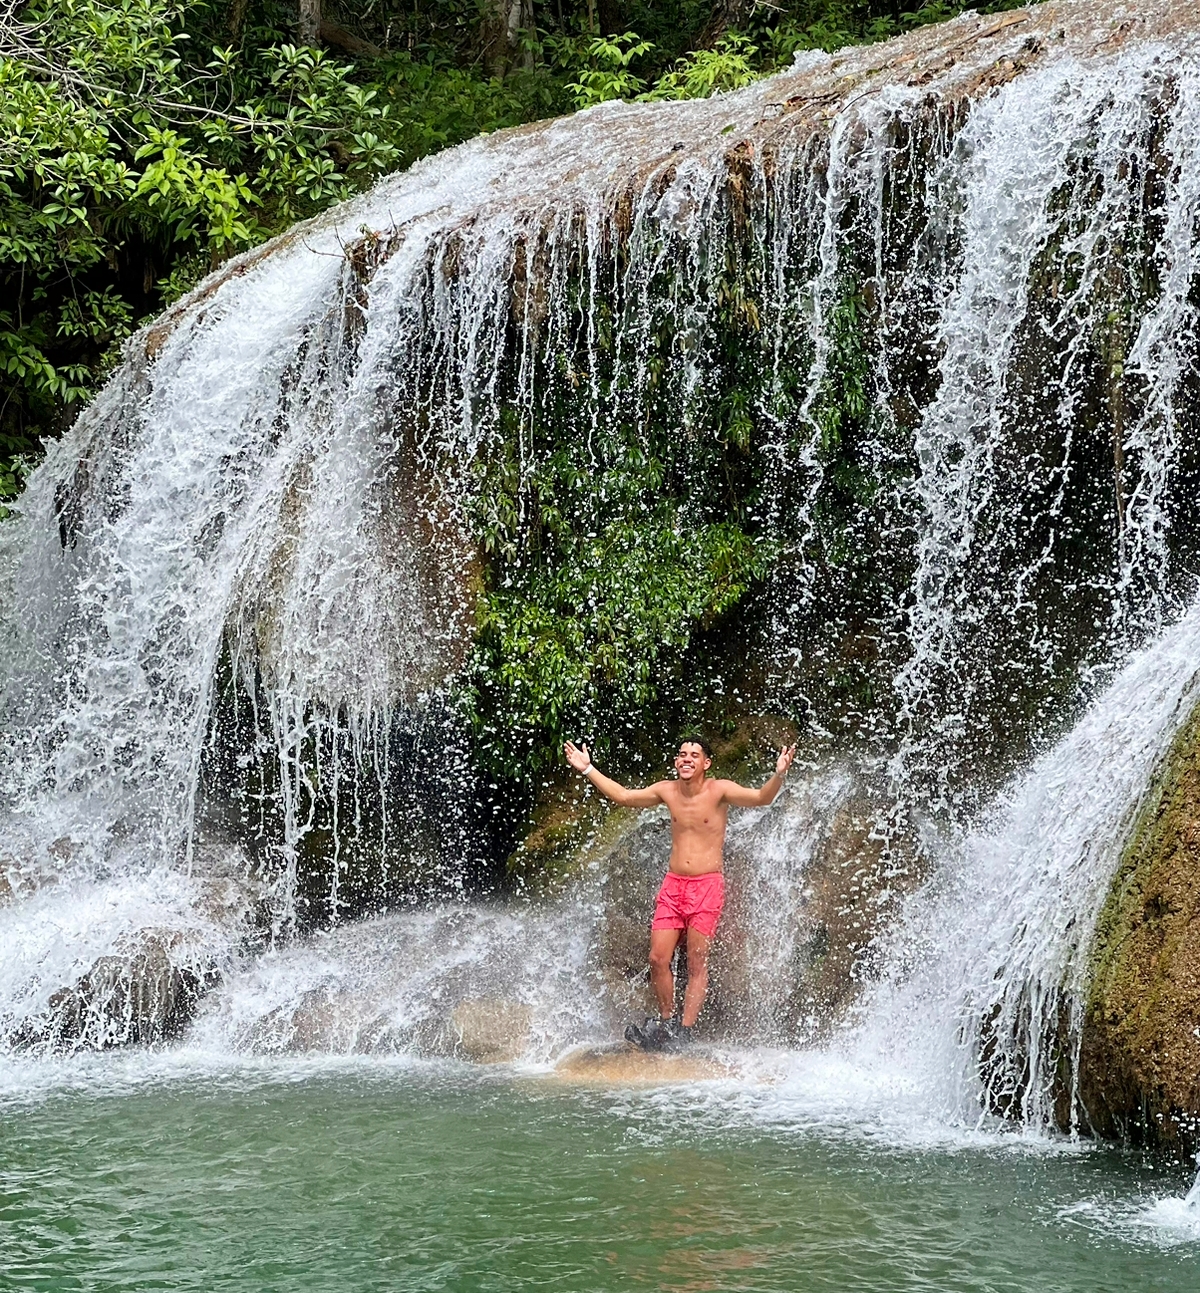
[577, 756]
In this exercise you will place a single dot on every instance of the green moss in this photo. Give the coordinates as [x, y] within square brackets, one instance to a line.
[1140, 1060]
[1168, 804]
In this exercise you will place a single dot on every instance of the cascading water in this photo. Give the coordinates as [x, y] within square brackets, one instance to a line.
[960, 272]
[1000, 1001]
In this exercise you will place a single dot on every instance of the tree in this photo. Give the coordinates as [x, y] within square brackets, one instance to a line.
[315, 29]
[505, 24]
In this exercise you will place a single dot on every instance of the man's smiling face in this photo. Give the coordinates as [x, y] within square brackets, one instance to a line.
[691, 761]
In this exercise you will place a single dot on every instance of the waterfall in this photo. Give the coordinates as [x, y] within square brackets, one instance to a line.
[954, 278]
[1021, 168]
[986, 976]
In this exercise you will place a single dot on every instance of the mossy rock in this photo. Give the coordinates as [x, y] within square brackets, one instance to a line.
[1140, 1055]
[569, 826]
[747, 750]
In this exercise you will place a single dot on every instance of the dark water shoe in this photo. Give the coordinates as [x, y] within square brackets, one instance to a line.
[680, 1037]
[654, 1035]
[635, 1036]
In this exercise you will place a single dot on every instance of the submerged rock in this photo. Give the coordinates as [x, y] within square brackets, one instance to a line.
[626, 1066]
[1140, 1053]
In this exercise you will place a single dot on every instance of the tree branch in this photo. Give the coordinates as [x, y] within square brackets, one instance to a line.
[354, 45]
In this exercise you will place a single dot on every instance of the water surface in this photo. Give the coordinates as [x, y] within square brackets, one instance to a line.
[175, 1174]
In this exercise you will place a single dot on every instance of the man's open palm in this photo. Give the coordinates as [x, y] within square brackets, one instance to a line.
[577, 756]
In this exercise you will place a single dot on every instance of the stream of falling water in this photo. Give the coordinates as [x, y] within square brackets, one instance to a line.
[1022, 891]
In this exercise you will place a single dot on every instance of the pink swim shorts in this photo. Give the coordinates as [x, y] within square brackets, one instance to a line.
[690, 902]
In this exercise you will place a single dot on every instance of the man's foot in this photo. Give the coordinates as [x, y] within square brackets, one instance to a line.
[659, 1035]
[679, 1037]
[654, 1035]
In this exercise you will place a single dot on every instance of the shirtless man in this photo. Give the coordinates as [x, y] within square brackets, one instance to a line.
[694, 888]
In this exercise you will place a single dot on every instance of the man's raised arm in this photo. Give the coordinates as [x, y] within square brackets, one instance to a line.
[748, 796]
[579, 758]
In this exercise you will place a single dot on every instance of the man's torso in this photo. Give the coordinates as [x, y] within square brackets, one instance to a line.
[697, 827]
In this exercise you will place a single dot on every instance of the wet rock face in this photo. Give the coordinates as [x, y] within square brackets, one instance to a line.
[145, 995]
[326, 1020]
[490, 1030]
[1140, 1058]
[803, 913]
[631, 871]
[852, 884]
[126, 965]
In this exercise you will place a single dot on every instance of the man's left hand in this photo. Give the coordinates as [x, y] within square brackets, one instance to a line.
[784, 762]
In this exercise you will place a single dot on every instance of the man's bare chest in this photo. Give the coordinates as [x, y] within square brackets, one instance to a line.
[701, 814]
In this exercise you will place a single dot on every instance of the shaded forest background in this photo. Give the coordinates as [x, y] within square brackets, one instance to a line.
[142, 142]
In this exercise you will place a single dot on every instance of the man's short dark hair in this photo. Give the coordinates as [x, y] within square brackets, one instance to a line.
[694, 738]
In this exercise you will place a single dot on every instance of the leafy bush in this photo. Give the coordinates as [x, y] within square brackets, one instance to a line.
[731, 63]
[126, 172]
[606, 72]
[594, 595]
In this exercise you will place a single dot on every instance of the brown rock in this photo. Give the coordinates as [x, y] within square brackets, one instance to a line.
[317, 1023]
[565, 820]
[627, 1066]
[1140, 1055]
[332, 1020]
[492, 1031]
[858, 870]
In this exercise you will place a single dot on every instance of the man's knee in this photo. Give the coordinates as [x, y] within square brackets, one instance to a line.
[660, 958]
[697, 960]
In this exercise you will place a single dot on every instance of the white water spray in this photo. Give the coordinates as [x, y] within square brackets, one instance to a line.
[989, 971]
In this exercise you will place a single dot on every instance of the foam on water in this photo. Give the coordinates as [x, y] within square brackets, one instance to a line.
[1152, 1220]
[1168, 1222]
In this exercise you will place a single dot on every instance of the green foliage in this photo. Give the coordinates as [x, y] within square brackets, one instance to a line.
[608, 621]
[844, 402]
[623, 66]
[438, 103]
[13, 470]
[607, 72]
[731, 63]
[126, 170]
[599, 582]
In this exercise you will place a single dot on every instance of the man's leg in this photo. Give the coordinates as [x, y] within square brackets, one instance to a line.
[697, 976]
[662, 948]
